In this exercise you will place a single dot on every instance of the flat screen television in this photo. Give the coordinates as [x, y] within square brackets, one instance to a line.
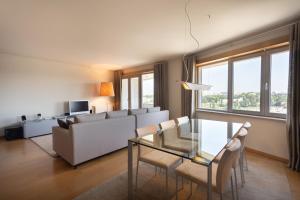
[79, 107]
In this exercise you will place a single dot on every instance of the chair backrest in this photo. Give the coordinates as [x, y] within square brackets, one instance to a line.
[184, 126]
[167, 124]
[230, 156]
[152, 129]
[247, 125]
[182, 120]
[242, 136]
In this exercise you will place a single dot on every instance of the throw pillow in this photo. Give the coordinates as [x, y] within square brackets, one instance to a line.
[62, 124]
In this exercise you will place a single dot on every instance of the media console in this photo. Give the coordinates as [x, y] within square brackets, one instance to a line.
[39, 127]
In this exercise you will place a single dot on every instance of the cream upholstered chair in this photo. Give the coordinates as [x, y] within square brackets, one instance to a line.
[184, 126]
[182, 120]
[157, 158]
[247, 125]
[221, 172]
[242, 136]
[167, 125]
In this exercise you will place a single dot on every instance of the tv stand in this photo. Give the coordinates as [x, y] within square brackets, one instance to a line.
[39, 127]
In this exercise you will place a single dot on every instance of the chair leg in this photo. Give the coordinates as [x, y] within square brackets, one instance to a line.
[232, 188]
[176, 187]
[155, 171]
[236, 187]
[242, 171]
[136, 175]
[245, 158]
[221, 196]
[191, 190]
[167, 195]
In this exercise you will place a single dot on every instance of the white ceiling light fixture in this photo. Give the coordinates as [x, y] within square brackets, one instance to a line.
[185, 84]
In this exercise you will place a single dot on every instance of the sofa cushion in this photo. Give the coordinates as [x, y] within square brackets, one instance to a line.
[137, 111]
[154, 109]
[117, 114]
[90, 117]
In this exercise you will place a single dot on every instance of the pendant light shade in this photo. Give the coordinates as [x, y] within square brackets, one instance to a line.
[194, 86]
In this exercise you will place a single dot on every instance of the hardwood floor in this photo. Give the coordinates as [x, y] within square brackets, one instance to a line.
[27, 172]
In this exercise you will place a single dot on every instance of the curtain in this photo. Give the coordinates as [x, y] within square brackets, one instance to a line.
[293, 112]
[187, 96]
[117, 86]
[161, 92]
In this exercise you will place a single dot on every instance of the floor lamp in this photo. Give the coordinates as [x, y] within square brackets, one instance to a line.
[107, 90]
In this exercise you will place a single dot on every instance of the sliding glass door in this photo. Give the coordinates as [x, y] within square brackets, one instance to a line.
[137, 91]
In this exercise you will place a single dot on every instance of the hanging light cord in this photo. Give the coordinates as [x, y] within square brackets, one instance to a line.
[191, 34]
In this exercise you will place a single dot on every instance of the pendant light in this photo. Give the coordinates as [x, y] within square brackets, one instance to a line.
[185, 84]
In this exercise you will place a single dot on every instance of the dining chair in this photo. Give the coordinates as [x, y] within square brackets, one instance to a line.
[184, 126]
[247, 125]
[167, 124]
[156, 158]
[242, 136]
[221, 172]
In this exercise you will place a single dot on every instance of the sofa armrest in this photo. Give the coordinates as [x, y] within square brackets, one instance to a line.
[63, 143]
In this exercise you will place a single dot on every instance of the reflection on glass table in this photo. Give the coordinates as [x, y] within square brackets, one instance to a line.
[201, 142]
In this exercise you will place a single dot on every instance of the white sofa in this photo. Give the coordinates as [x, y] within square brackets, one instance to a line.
[94, 137]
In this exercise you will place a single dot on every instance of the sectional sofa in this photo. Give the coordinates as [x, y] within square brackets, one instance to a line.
[95, 135]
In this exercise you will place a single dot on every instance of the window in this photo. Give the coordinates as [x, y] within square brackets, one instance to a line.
[134, 93]
[255, 84]
[246, 84]
[148, 90]
[279, 68]
[137, 91]
[216, 97]
[124, 93]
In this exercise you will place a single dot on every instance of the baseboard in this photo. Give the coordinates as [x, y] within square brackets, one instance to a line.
[284, 160]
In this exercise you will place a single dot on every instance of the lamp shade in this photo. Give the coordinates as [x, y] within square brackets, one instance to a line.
[107, 89]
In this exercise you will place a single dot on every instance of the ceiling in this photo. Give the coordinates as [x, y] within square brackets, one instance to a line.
[116, 34]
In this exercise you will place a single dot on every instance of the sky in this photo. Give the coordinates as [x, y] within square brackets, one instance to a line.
[247, 75]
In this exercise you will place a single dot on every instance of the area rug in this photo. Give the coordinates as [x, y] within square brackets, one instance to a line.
[45, 142]
[261, 184]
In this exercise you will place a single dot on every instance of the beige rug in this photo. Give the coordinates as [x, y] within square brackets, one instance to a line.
[45, 143]
[263, 182]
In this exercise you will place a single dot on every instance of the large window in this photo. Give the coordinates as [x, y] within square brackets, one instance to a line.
[124, 93]
[279, 68]
[137, 91]
[148, 90]
[253, 84]
[216, 97]
[246, 84]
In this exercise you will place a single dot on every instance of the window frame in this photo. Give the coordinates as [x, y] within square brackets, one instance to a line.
[265, 87]
[199, 76]
[268, 82]
[129, 77]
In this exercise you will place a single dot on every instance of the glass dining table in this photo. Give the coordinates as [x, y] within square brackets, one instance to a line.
[199, 141]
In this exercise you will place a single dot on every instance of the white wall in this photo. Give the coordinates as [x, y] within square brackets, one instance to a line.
[266, 135]
[29, 86]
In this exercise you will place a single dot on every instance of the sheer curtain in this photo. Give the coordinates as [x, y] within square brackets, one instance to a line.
[161, 92]
[293, 113]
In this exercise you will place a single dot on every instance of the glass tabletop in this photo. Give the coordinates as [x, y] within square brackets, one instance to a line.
[199, 140]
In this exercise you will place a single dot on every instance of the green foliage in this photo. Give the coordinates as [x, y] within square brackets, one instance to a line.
[243, 101]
